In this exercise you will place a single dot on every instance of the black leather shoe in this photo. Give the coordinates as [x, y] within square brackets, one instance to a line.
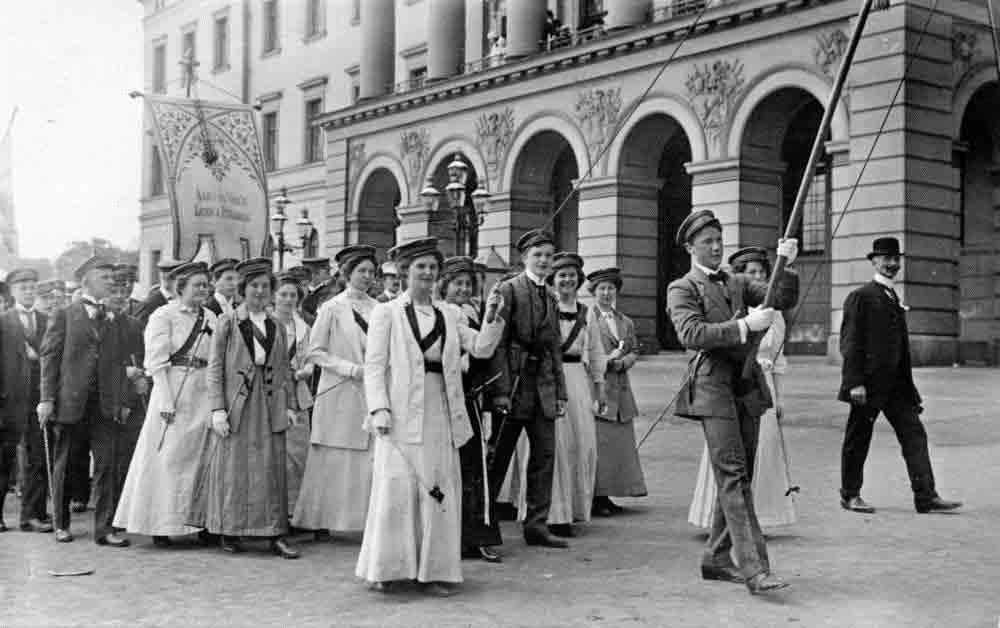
[937, 505]
[564, 530]
[764, 583]
[542, 538]
[322, 536]
[113, 540]
[64, 536]
[162, 542]
[36, 525]
[482, 553]
[78, 507]
[856, 504]
[280, 547]
[3, 526]
[207, 539]
[230, 544]
[506, 512]
[726, 573]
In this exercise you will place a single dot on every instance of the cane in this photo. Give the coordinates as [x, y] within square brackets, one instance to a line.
[177, 395]
[792, 488]
[48, 473]
[483, 445]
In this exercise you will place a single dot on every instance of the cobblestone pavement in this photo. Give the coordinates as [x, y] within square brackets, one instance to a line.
[894, 568]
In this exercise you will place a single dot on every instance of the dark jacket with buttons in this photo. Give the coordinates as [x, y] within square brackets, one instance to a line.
[875, 345]
[232, 374]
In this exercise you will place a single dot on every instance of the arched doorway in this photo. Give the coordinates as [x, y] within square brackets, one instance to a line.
[978, 159]
[543, 177]
[376, 221]
[776, 143]
[440, 181]
[656, 186]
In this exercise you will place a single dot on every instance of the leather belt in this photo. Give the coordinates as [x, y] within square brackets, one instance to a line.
[189, 362]
[433, 367]
[572, 359]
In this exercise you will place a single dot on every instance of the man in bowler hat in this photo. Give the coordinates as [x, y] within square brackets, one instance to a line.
[877, 377]
[715, 314]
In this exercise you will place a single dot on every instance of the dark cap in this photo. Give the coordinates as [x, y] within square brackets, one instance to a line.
[349, 257]
[21, 274]
[316, 261]
[45, 287]
[535, 237]
[94, 263]
[188, 269]
[300, 273]
[881, 246]
[403, 254]
[126, 271]
[457, 265]
[167, 264]
[614, 275]
[223, 265]
[748, 254]
[566, 259]
[254, 267]
[694, 223]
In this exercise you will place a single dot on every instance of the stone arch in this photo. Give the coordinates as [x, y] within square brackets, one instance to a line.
[667, 104]
[461, 145]
[798, 77]
[381, 187]
[554, 121]
[974, 79]
[376, 161]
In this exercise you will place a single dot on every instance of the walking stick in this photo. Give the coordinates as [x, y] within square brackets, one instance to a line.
[177, 395]
[792, 488]
[483, 445]
[48, 473]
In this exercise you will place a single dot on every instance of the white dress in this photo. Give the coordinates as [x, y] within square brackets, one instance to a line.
[408, 534]
[160, 482]
[770, 480]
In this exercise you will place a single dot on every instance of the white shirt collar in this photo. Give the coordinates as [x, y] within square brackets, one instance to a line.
[222, 299]
[22, 310]
[166, 295]
[885, 281]
[705, 269]
[535, 279]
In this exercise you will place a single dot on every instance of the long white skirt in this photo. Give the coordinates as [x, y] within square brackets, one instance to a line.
[408, 534]
[335, 490]
[575, 460]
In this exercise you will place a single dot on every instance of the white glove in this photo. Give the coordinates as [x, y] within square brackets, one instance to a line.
[220, 423]
[789, 249]
[759, 319]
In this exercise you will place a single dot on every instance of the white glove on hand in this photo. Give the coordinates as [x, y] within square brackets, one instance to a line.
[789, 249]
[220, 423]
[759, 319]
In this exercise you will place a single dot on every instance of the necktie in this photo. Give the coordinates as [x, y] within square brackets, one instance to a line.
[31, 329]
[718, 276]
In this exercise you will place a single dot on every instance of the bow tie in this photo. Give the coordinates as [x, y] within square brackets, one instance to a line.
[719, 276]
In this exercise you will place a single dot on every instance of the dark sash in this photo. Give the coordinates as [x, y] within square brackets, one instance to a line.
[196, 329]
[578, 325]
[360, 320]
[432, 336]
[295, 341]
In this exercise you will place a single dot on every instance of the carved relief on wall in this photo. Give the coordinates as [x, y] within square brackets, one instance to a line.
[713, 90]
[494, 131]
[355, 157]
[829, 49]
[964, 49]
[414, 146]
[597, 112]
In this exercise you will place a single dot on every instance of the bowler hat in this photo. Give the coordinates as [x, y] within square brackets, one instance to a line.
[885, 246]
[694, 223]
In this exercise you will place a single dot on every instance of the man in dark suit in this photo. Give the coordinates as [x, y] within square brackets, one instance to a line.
[21, 332]
[79, 394]
[877, 377]
[160, 294]
[226, 281]
[531, 391]
[322, 286]
[714, 314]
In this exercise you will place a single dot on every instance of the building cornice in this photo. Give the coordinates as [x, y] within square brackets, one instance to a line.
[642, 38]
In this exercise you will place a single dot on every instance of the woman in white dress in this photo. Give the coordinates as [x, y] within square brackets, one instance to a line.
[287, 298]
[338, 476]
[413, 383]
[584, 363]
[161, 477]
[770, 476]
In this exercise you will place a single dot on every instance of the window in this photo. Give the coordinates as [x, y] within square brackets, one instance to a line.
[313, 134]
[154, 263]
[188, 45]
[354, 76]
[315, 19]
[245, 248]
[270, 19]
[155, 173]
[269, 121]
[221, 53]
[355, 12]
[814, 213]
[160, 68]
[417, 77]
[355, 93]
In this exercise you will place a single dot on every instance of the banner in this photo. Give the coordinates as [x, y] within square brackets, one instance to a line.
[8, 229]
[214, 172]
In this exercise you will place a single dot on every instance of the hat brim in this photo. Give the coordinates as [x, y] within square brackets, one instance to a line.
[874, 253]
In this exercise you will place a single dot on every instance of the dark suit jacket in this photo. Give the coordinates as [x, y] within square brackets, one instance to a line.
[320, 295]
[528, 332]
[154, 301]
[704, 314]
[20, 376]
[78, 354]
[122, 346]
[874, 342]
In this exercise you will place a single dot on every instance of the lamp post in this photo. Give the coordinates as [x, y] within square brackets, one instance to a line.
[278, 219]
[306, 234]
[468, 218]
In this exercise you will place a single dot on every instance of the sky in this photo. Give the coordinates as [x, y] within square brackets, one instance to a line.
[68, 66]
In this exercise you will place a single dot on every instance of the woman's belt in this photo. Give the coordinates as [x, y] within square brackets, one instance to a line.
[189, 362]
[433, 367]
[572, 359]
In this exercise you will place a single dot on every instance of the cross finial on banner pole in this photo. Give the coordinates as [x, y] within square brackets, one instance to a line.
[189, 64]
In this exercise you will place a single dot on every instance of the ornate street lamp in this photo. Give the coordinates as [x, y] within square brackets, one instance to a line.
[306, 233]
[430, 197]
[278, 219]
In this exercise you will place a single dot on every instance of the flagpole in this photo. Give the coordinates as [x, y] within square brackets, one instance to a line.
[10, 125]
